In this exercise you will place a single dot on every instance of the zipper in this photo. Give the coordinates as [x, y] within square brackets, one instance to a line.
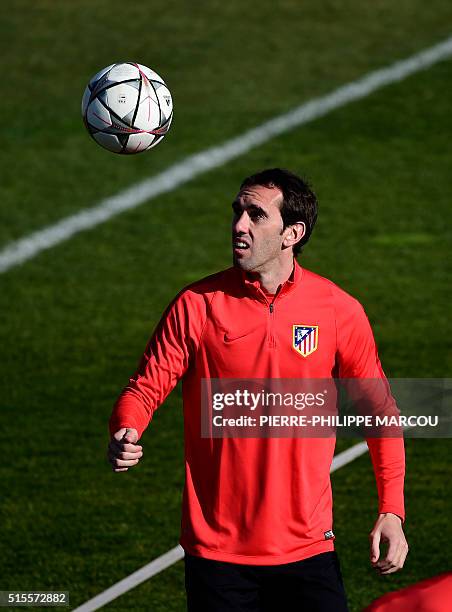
[271, 308]
[271, 335]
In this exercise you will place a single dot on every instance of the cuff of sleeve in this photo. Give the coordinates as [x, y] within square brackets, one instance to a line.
[126, 421]
[400, 512]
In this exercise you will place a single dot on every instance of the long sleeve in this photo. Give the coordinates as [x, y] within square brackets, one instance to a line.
[358, 359]
[165, 360]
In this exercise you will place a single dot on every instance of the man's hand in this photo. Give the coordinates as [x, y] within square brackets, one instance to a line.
[388, 528]
[123, 452]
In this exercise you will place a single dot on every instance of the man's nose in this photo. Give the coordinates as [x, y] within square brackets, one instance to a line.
[241, 223]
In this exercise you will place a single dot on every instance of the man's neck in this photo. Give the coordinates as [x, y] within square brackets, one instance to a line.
[270, 280]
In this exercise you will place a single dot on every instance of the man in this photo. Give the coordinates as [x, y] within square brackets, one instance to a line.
[257, 512]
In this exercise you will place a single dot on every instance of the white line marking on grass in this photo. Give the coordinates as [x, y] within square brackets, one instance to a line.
[28, 247]
[177, 553]
[348, 455]
[128, 583]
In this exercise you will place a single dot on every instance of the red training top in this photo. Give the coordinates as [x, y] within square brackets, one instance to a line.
[262, 501]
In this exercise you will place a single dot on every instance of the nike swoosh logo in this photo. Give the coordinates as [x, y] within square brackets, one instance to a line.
[229, 338]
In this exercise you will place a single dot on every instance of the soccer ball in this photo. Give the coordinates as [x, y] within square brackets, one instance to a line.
[127, 108]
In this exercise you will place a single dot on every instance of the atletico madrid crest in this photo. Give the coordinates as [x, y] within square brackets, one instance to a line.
[305, 339]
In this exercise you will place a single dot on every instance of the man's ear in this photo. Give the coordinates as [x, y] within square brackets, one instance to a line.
[294, 233]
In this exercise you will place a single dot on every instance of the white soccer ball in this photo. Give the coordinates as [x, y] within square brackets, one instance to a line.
[127, 108]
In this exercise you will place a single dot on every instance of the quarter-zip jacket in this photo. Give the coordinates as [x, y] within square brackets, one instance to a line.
[262, 501]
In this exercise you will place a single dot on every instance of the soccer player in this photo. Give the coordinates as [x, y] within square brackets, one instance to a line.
[257, 512]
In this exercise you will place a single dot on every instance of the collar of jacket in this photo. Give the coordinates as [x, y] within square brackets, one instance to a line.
[288, 286]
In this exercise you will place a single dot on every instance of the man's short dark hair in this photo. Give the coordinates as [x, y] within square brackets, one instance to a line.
[299, 201]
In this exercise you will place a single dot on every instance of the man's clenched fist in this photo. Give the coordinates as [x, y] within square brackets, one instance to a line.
[123, 450]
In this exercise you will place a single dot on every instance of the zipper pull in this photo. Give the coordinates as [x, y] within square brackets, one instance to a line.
[271, 307]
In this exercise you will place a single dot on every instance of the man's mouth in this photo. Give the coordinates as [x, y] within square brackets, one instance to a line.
[239, 244]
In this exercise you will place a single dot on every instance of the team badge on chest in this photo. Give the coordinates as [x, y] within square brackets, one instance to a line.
[305, 339]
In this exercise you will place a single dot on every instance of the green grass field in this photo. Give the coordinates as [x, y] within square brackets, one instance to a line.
[76, 318]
